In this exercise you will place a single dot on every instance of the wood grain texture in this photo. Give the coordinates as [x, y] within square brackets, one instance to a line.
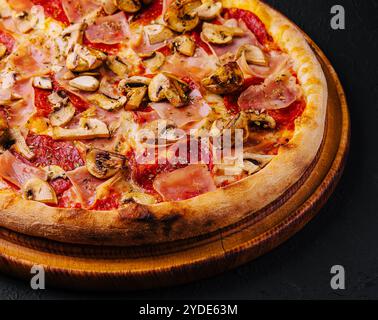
[145, 267]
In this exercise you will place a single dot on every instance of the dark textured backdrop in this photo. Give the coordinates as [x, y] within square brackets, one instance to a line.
[346, 231]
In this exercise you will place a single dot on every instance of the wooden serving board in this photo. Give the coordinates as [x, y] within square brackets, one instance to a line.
[78, 266]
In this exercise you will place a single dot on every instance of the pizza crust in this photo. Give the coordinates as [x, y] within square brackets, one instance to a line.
[169, 221]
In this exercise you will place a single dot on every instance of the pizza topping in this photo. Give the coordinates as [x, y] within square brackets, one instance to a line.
[165, 132]
[239, 121]
[78, 10]
[117, 65]
[184, 183]
[276, 92]
[39, 190]
[108, 30]
[209, 10]
[84, 59]
[18, 172]
[154, 61]
[85, 83]
[220, 34]
[62, 115]
[135, 97]
[226, 79]
[252, 55]
[103, 164]
[109, 6]
[181, 16]
[24, 21]
[3, 50]
[42, 83]
[130, 6]
[157, 33]
[55, 172]
[184, 45]
[89, 128]
[107, 103]
[20, 145]
[138, 197]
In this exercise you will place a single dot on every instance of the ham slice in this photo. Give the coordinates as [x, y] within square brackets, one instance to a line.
[77, 10]
[197, 67]
[277, 92]
[184, 183]
[195, 111]
[17, 172]
[109, 30]
[85, 185]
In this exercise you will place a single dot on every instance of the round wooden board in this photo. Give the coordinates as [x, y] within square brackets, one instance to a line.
[89, 267]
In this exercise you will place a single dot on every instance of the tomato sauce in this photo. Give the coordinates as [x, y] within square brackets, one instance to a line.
[109, 203]
[54, 9]
[195, 35]
[149, 13]
[7, 40]
[60, 185]
[253, 23]
[107, 48]
[48, 151]
[285, 118]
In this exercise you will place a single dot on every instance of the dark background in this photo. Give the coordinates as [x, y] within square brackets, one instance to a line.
[346, 231]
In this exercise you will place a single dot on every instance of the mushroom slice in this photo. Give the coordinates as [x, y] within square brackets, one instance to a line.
[19, 143]
[209, 10]
[85, 83]
[130, 6]
[89, 128]
[39, 190]
[137, 197]
[42, 83]
[255, 162]
[184, 45]
[181, 16]
[104, 102]
[84, 59]
[3, 50]
[219, 34]
[164, 131]
[156, 89]
[154, 62]
[134, 81]
[25, 22]
[157, 33]
[226, 79]
[55, 172]
[103, 164]
[135, 97]
[115, 64]
[61, 116]
[262, 120]
[109, 6]
[253, 55]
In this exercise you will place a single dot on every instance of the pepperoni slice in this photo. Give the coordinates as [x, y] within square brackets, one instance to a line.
[54, 9]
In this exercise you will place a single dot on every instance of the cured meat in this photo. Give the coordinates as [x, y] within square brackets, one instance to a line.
[77, 10]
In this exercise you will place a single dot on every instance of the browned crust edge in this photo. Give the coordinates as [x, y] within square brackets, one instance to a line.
[169, 221]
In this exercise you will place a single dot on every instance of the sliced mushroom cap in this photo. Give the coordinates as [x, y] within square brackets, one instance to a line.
[164, 131]
[181, 16]
[134, 97]
[253, 55]
[61, 116]
[129, 6]
[104, 102]
[42, 83]
[3, 50]
[262, 120]
[184, 45]
[134, 81]
[89, 128]
[157, 87]
[115, 64]
[39, 190]
[226, 79]
[209, 10]
[109, 6]
[85, 83]
[154, 62]
[19, 143]
[103, 164]
[157, 33]
[55, 172]
[219, 34]
[138, 197]
[84, 59]
[24, 21]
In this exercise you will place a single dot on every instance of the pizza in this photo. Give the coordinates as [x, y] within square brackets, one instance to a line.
[130, 122]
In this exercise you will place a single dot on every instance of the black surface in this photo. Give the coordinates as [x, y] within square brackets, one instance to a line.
[345, 232]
